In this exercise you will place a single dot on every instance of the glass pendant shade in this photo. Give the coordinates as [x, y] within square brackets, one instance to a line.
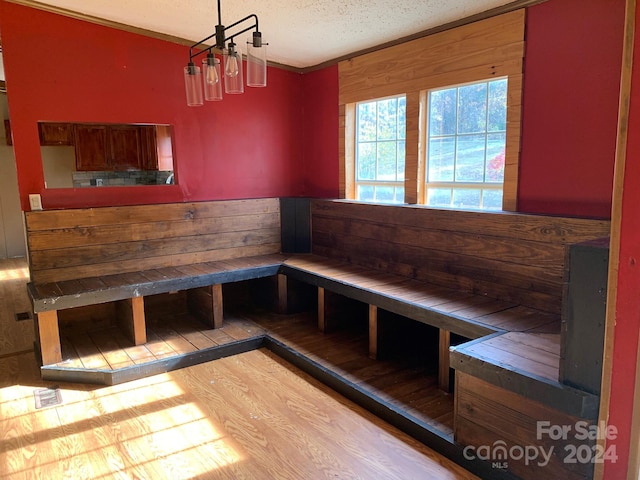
[256, 65]
[192, 84]
[233, 81]
[211, 79]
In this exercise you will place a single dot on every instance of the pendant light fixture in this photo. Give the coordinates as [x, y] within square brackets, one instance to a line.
[209, 78]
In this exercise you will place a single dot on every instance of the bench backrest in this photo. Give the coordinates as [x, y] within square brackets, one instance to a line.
[513, 257]
[78, 243]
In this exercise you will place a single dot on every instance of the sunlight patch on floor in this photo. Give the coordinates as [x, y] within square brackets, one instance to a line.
[14, 274]
[149, 426]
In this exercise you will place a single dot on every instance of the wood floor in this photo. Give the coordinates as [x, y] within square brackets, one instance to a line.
[247, 416]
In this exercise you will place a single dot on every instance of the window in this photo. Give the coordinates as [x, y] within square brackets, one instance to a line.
[466, 139]
[380, 150]
[447, 161]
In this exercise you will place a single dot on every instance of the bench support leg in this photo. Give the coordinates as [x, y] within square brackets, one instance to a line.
[131, 317]
[321, 310]
[373, 332]
[205, 303]
[283, 302]
[443, 360]
[49, 337]
[218, 311]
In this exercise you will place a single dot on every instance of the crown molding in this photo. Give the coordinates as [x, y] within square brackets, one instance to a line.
[509, 7]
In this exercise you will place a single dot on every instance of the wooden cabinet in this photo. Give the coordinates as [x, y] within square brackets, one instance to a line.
[115, 147]
[56, 133]
[110, 147]
[124, 146]
[91, 147]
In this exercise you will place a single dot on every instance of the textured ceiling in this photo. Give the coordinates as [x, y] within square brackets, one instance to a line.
[300, 33]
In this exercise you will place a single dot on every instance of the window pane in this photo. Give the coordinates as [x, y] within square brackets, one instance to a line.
[380, 150]
[470, 158]
[367, 122]
[365, 193]
[439, 197]
[495, 157]
[366, 160]
[387, 119]
[492, 199]
[472, 108]
[466, 197]
[441, 159]
[442, 112]
[384, 194]
[402, 117]
[386, 161]
[497, 106]
[401, 153]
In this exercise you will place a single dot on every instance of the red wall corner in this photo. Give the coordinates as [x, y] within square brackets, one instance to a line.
[320, 112]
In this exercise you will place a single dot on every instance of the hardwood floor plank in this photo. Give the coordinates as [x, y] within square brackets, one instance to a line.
[89, 354]
[138, 354]
[111, 350]
[177, 343]
[157, 346]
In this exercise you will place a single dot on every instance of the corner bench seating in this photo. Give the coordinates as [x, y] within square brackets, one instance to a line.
[497, 279]
[468, 273]
[81, 257]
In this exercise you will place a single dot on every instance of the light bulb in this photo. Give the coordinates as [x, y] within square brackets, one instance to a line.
[231, 67]
[211, 75]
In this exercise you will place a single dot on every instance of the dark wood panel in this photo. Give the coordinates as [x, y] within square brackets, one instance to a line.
[476, 244]
[527, 227]
[429, 263]
[116, 233]
[514, 258]
[130, 250]
[486, 413]
[477, 280]
[81, 243]
[85, 217]
[151, 263]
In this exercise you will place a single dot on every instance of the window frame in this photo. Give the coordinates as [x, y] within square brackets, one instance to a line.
[468, 53]
[424, 152]
[378, 183]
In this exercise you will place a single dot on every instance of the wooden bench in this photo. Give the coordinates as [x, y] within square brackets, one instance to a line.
[468, 273]
[81, 257]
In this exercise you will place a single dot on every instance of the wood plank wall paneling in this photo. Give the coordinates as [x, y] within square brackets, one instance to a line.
[513, 257]
[489, 48]
[486, 49]
[68, 244]
[485, 412]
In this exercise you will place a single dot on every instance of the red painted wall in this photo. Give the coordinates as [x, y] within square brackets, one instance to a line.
[61, 69]
[571, 86]
[321, 132]
[627, 321]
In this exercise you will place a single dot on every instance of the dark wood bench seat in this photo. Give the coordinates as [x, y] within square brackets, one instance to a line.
[463, 313]
[452, 311]
[528, 364]
[109, 288]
